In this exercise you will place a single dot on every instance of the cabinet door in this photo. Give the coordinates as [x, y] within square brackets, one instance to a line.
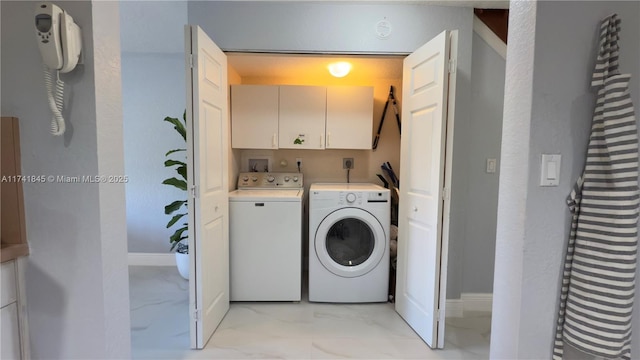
[349, 117]
[254, 117]
[302, 117]
[9, 332]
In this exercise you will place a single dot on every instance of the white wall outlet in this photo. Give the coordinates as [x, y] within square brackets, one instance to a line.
[491, 166]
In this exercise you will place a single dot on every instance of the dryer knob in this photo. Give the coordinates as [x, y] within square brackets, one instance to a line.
[295, 179]
[254, 178]
[286, 179]
[351, 197]
[271, 178]
[245, 178]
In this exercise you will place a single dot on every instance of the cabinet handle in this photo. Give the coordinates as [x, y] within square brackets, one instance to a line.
[274, 141]
[321, 140]
[328, 139]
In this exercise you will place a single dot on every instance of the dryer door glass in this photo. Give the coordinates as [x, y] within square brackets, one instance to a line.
[350, 242]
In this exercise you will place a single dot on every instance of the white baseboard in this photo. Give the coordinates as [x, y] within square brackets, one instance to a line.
[468, 302]
[455, 308]
[152, 259]
[477, 301]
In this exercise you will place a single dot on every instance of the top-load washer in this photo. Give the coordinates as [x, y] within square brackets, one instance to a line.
[265, 237]
[348, 243]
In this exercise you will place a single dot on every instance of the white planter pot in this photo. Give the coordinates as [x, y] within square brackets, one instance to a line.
[182, 261]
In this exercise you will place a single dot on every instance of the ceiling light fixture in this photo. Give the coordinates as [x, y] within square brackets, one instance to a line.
[339, 69]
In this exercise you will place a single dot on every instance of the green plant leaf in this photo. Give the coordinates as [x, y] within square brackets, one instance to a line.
[180, 184]
[174, 219]
[178, 125]
[177, 235]
[168, 163]
[175, 243]
[182, 170]
[174, 150]
[174, 206]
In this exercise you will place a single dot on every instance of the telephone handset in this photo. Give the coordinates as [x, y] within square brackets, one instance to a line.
[60, 45]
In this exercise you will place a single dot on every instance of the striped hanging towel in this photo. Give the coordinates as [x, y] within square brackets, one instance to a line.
[596, 298]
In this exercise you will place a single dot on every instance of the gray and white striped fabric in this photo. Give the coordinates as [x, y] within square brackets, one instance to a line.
[599, 272]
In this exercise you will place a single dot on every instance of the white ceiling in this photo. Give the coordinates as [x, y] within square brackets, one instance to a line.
[313, 66]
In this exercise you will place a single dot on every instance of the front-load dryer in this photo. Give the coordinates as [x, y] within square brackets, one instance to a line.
[348, 243]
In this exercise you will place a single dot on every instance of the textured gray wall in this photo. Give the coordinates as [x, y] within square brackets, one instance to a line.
[487, 97]
[350, 28]
[76, 275]
[548, 109]
[152, 87]
[152, 43]
[153, 26]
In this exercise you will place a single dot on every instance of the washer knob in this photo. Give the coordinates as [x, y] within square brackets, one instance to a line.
[270, 178]
[286, 179]
[254, 178]
[351, 197]
[295, 179]
[245, 178]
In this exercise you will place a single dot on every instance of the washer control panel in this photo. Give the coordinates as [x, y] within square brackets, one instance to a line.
[255, 180]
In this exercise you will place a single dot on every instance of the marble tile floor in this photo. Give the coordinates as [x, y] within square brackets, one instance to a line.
[160, 328]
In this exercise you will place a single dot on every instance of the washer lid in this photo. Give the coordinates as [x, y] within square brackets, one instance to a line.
[294, 195]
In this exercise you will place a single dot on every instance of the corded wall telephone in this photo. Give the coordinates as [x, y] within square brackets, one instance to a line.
[60, 44]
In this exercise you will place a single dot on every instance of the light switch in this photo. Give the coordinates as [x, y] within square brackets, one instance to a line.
[550, 170]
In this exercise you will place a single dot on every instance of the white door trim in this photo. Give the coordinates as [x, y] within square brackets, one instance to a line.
[448, 171]
[489, 37]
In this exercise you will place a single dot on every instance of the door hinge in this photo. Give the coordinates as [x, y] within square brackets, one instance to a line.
[453, 63]
[194, 192]
[197, 315]
[438, 315]
[445, 194]
[191, 61]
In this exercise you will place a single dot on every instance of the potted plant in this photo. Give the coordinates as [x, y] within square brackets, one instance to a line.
[178, 209]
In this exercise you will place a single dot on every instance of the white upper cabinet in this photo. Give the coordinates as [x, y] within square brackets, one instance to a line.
[349, 117]
[302, 117]
[254, 116]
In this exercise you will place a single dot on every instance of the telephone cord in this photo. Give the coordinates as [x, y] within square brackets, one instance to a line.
[56, 100]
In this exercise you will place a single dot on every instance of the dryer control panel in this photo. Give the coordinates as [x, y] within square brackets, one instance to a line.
[256, 180]
[352, 198]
